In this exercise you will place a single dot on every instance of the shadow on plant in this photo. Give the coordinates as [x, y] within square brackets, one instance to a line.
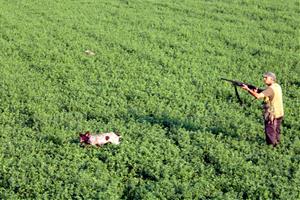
[166, 122]
[52, 139]
[216, 127]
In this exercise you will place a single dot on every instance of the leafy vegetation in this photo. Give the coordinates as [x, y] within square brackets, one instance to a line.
[155, 79]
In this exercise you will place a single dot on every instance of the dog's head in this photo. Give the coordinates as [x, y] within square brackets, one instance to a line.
[84, 137]
[114, 137]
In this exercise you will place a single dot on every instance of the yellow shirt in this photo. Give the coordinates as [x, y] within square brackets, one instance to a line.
[273, 99]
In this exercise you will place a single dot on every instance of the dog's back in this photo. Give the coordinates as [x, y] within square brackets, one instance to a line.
[100, 139]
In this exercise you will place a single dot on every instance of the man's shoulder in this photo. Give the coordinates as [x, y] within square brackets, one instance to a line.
[268, 91]
[277, 85]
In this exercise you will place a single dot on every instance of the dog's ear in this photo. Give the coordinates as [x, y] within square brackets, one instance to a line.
[81, 134]
[87, 133]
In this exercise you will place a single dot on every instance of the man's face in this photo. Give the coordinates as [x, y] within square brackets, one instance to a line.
[268, 80]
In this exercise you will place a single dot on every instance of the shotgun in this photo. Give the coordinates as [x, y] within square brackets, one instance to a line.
[240, 84]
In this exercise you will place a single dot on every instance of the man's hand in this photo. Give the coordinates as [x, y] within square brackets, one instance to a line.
[245, 87]
[253, 92]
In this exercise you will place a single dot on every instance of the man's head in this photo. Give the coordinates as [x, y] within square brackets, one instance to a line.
[269, 78]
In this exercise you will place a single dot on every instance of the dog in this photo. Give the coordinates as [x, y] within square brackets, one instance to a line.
[99, 139]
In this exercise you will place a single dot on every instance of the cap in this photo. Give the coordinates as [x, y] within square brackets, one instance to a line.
[270, 74]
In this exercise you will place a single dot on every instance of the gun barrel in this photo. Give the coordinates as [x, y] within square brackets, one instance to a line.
[240, 84]
[225, 79]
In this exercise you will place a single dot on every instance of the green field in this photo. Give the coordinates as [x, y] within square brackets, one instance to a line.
[155, 78]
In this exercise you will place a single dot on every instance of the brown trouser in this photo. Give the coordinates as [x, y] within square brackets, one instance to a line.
[272, 131]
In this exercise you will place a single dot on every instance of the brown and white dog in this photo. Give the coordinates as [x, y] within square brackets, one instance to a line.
[99, 139]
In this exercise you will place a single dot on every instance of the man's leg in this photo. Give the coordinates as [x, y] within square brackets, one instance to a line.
[277, 124]
[270, 132]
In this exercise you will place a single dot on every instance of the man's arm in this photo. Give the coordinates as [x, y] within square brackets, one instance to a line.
[253, 92]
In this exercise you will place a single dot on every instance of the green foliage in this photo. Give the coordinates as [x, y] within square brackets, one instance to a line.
[155, 79]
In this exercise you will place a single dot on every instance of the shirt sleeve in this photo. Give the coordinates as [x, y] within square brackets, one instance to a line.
[269, 92]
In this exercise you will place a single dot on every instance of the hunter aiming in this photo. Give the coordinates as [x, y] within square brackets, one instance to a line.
[272, 107]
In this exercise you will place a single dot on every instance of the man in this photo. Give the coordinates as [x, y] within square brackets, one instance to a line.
[272, 107]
